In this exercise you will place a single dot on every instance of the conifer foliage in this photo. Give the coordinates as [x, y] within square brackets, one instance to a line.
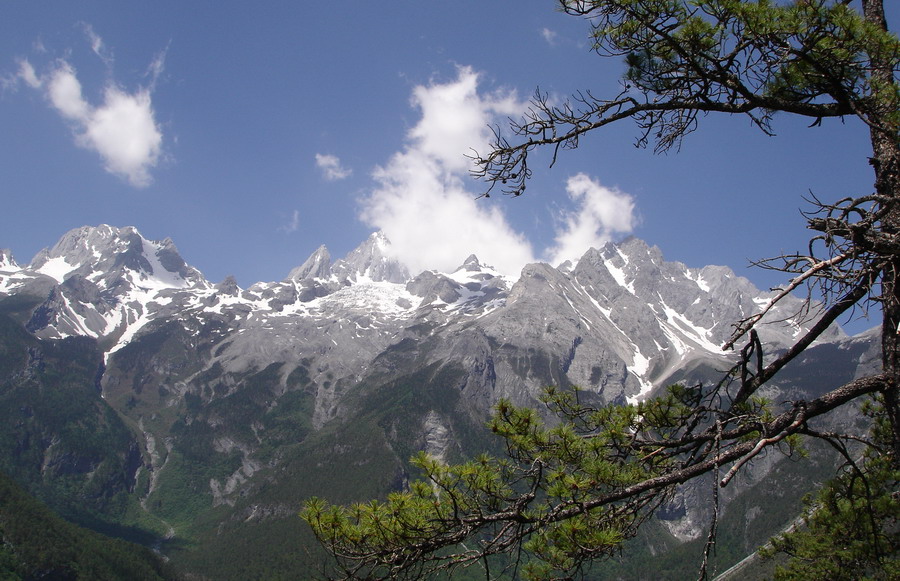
[851, 528]
[568, 492]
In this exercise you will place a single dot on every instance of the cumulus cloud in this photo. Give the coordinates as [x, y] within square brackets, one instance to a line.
[434, 222]
[600, 214]
[122, 129]
[331, 167]
[456, 118]
[64, 92]
[420, 200]
[422, 203]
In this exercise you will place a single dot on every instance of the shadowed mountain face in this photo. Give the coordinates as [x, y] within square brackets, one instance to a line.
[231, 405]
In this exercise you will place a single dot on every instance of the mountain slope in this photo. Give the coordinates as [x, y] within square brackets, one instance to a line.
[37, 544]
[238, 403]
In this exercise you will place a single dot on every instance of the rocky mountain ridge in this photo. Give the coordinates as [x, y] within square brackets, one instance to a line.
[109, 283]
[241, 402]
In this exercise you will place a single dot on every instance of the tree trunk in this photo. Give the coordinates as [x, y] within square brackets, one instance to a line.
[886, 162]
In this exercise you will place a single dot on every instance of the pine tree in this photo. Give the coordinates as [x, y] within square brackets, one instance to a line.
[569, 493]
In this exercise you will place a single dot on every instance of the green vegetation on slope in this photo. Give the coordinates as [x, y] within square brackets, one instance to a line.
[37, 544]
[59, 439]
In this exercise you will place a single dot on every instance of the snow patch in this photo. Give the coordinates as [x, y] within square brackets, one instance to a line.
[704, 286]
[158, 278]
[13, 281]
[639, 367]
[57, 268]
[762, 302]
[7, 263]
[679, 324]
[619, 273]
[384, 298]
[584, 320]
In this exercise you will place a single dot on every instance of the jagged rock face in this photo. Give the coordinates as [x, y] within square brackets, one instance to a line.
[55, 426]
[7, 262]
[819, 369]
[371, 260]
[618, 323]
[316, 266]
[106, 254]
[107, 281]
[236, 380]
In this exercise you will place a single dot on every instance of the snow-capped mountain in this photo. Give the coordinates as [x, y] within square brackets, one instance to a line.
[227, 406]
[103, 282]
[620, 321]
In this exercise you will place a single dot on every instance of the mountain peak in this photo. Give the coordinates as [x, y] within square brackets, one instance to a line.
[7, 262]
[318, 265]
[371, 260]
[228, 286]
[105, 253]
[471, 264]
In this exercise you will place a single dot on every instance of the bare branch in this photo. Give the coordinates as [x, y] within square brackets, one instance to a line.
[814, 269]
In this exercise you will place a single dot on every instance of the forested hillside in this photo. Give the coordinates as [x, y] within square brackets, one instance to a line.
[35, 543]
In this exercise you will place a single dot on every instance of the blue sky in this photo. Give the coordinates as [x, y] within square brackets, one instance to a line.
[252, 133]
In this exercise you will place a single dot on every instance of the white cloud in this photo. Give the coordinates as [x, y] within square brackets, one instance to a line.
[97, 45]
[420, 200]
[601, 213]
[422, 203]
[434, 222]
[456, 118]
[64, 91]
[27, 74]
[122, 129]
[124, 132]
[156, 68]
[293, 224]
[549, 36]
[331, 167]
